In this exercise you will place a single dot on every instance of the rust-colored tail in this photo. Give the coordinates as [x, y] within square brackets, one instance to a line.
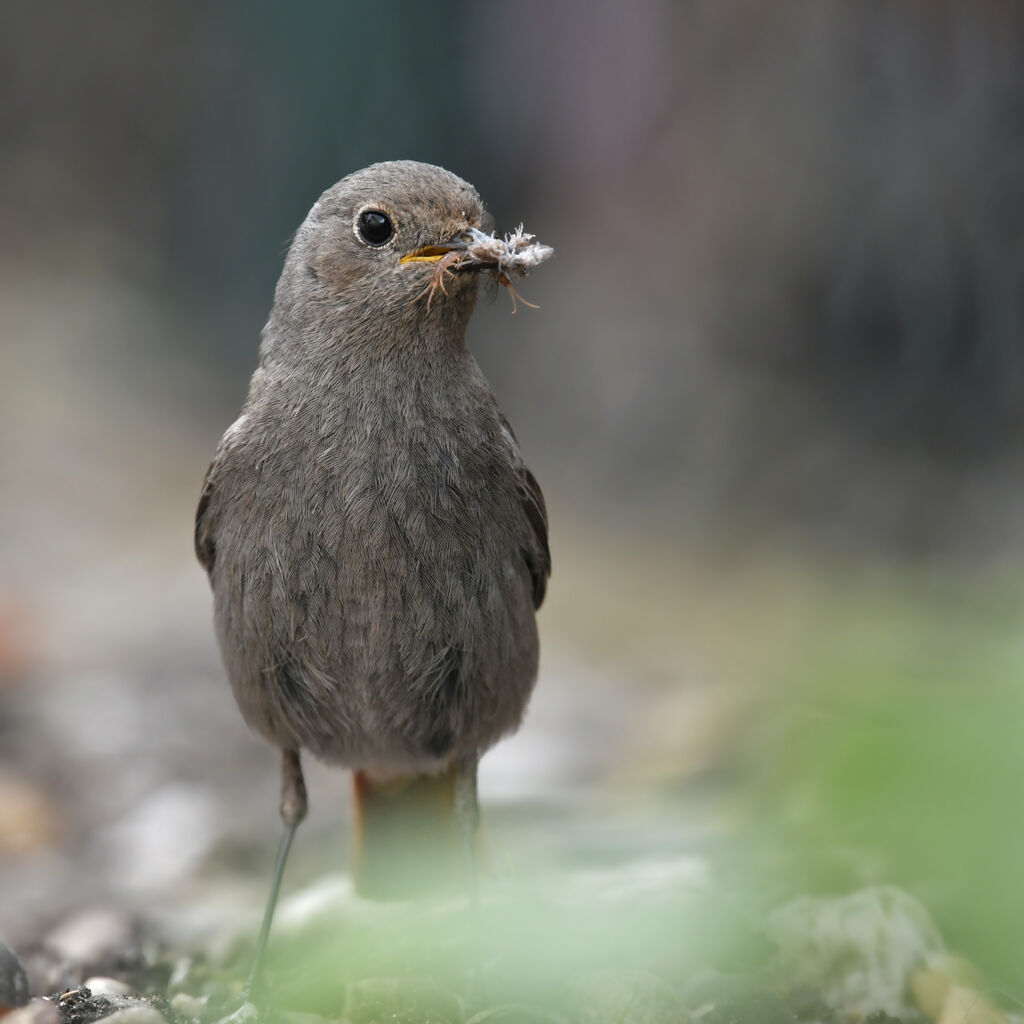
[407, 842]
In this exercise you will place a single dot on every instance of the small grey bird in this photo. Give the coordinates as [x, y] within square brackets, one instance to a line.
[375, 544]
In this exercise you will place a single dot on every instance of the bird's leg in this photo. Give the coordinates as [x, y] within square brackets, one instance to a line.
[467, 822]
[467, 816]
[293, 810]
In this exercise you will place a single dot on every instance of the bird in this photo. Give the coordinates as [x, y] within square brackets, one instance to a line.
[376, 547]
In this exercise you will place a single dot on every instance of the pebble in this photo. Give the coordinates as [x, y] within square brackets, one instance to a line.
[188, 1005]
[140, 1013]
[161, 839]
[859, 950]
[30, 822]
[13, 980]
[931, 984]
[180, 973]
[87, 936]
[39, 1011]
[966, 1006]
[107, 987]
[48, 970]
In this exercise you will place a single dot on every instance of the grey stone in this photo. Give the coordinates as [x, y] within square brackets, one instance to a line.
[13, 980]
[100, 986]
[858, 950]
[188, 1005]
[38, 1011]
[138, 1013]
[87, 936]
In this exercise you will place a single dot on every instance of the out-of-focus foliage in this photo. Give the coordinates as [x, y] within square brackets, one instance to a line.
[897, 757]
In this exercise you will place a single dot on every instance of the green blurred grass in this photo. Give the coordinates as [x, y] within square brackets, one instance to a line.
[871, 736]
[863, 722]
[892, 752]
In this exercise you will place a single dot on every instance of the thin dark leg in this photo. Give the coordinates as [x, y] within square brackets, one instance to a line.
[293, 810]
[467, 818]
[467, 821]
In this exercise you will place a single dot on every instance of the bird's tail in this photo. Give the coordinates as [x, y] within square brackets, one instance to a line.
[407, 838]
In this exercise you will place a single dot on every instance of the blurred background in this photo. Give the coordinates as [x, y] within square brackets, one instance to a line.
[774, 393]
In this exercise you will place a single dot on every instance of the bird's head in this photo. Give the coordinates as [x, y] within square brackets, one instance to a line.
[386, 242]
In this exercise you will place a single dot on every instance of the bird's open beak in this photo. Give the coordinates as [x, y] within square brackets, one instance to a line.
[460, 243]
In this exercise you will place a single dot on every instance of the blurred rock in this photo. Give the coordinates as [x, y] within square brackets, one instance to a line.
[17, 653]
[139, 1013]
[931, 984]
[49, 971]
[187, 1005]
[89, 936]
[111, 971]
[967, 1006]
[100, 986]
[623, 996]
[163, 838]
[859, 951]
[30, 820]
[14, 990]
[39, 1011]
[80, 1006]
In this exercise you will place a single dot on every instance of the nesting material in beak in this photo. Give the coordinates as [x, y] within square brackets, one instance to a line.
[517, 253]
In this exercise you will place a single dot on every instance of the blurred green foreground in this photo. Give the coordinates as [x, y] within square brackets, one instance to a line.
[876, 745]
[899, 756]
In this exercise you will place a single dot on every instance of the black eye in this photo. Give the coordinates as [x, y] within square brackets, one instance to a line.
[375, 228]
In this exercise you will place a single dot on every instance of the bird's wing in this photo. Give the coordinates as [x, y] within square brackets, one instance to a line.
[538, 557]
[205, 540]
[218, 473]
[205, 547]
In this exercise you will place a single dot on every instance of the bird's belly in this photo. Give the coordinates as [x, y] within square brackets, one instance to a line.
[393, 627]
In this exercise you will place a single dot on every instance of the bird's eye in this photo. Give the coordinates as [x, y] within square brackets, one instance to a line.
[374, 227]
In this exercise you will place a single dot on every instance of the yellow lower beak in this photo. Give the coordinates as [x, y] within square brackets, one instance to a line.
[428, 254]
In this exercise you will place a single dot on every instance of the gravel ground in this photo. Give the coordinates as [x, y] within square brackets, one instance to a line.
[564, 948]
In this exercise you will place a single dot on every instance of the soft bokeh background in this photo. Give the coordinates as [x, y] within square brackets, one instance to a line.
[773, 393]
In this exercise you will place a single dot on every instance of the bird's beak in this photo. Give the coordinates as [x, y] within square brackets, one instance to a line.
[460, 243]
